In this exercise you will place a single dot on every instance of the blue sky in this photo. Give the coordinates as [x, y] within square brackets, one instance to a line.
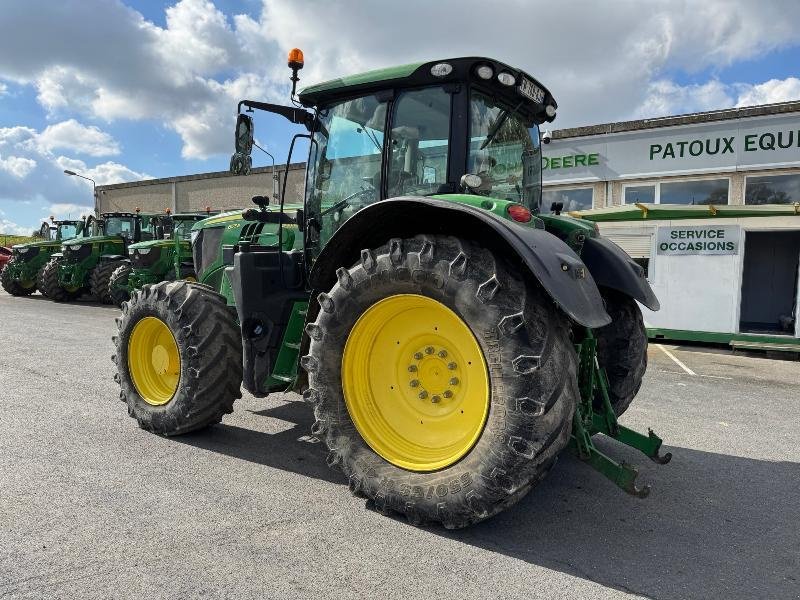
[122, 89]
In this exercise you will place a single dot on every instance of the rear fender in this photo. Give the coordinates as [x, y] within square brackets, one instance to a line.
[611, 267]
[550, 261]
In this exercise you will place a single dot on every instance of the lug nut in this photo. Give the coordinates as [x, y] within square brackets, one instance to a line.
[435, 399]
[423, 394]
[442, 353]
[429, 350]
[418, 355]
[412, 368]
[447, 394]
[414, 383]
[454, 381]
[452, 366]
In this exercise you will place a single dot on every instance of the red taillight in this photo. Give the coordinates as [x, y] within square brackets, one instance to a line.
[519, 213]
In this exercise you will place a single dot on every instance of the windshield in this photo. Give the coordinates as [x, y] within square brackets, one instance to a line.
[504, 152]
[121, 226]
[345, 163]
[67, 231]
[183, 228]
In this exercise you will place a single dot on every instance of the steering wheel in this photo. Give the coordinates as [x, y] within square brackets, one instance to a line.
[342, 204]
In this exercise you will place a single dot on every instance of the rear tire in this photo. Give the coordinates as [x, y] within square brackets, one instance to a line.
[50, 287]
[118, 285]
[531, 371]
[99, 278]
[622, 349]
[11, 285]
[207, 370]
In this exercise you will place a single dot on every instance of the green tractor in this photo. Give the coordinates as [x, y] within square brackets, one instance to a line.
[23, 273]
[167, 257]
[451, 339]
[85, 265]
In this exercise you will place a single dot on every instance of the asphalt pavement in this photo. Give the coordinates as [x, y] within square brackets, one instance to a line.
[93, 507]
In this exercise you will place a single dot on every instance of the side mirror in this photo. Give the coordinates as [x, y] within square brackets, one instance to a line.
[241, 161]
[244, 134]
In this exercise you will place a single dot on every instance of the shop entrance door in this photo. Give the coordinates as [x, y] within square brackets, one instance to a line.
[769, 282]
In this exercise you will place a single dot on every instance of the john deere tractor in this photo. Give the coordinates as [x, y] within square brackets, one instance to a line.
[85, 265]
[23, 273]
[167, 257]
[453, 339]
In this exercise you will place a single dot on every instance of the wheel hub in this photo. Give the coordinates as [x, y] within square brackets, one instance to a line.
[415, 382]
[154, 362]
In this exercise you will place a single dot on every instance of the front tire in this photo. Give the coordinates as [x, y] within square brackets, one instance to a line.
[99, 278]
[622, 349]
[178, 357]
[118, 285]
[362, 385]
[13, 286]
[50, 287]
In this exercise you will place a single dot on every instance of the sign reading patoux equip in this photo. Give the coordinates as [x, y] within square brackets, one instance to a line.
[700, 239]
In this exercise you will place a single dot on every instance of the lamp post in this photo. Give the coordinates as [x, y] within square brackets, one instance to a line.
[94, 185]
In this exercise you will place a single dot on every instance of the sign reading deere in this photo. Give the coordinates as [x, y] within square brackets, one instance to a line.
[701, 239]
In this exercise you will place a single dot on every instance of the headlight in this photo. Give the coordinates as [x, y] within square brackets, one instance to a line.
[143, 251]
[64, 247]
[193, 235]
[441, 69]
[76, 247]
[22, 250]
[484, 72]
[506, 79]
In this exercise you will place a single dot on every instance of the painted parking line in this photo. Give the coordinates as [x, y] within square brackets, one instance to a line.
[695, 374]
[676, 360]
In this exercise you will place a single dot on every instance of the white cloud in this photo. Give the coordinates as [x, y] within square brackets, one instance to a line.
[3, 89]
[11, 228]
[665, 97]
[103, 174]
[774, 90]
[67, 210]
[71, 135]
[17, 166]
[603, 61]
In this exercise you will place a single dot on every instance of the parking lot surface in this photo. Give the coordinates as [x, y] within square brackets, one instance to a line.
[93, 507]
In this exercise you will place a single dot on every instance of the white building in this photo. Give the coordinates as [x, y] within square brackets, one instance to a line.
[708, 204]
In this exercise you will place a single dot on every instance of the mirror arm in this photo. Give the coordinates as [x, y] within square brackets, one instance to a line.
[295, 115]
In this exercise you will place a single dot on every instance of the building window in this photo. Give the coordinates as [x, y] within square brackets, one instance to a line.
[772, 189]
[572, 199]
[705, 191]
[640, 193]
[696, 191]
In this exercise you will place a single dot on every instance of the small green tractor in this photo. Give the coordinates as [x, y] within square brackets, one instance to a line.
[450, 337]
[85, 265]
[23, 273]
[167, 257]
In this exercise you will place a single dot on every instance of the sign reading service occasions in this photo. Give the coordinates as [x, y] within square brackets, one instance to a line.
[699, 239]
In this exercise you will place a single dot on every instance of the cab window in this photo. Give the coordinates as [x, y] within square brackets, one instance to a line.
[418, 143]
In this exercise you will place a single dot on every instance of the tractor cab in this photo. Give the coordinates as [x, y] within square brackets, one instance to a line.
[464, 129]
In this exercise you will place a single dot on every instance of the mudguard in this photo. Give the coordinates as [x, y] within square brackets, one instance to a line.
[611, 267]
[555, 265]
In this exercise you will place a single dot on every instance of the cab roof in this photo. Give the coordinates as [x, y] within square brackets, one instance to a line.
[419, 74]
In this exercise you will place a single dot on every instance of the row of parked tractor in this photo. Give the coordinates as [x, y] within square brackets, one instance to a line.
[104, 258]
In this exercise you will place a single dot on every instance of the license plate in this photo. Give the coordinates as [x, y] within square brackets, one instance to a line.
[530, 90]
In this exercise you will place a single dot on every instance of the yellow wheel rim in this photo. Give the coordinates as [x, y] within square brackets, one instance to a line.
[415, 382]
[190, 278]
[154, 361]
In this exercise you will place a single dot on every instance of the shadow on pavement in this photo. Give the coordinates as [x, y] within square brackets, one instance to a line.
[714, 526]
[290, 450]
